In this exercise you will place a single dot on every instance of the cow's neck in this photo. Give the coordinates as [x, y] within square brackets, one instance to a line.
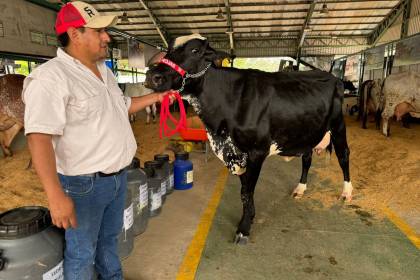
[207, 94]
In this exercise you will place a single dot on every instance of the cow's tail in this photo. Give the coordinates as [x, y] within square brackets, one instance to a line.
[336, 118]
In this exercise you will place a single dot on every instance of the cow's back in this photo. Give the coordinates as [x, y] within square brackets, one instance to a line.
[255, 108]
[11, 103]
[399, 88]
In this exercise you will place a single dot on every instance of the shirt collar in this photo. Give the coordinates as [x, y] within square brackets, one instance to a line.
[68, 58]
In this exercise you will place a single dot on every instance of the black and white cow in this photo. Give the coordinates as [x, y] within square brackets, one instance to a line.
[251, 114]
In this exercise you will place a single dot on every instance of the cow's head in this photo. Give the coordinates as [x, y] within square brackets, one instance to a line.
[191, 54]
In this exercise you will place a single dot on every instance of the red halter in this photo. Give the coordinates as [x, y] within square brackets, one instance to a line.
[173, 65]
[164, 129]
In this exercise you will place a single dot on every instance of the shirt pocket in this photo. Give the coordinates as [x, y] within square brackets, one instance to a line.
[85, 109]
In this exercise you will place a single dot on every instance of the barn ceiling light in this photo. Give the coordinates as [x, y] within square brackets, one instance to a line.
[324, 9]
[220, 16]
[124, 18]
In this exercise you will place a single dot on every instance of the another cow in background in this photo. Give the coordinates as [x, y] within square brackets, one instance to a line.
[138, 89]
[11, 110]
[401, 93]
[250, 115]
[369, 101]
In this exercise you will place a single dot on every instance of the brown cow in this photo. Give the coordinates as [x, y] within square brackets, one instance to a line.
[11, 110]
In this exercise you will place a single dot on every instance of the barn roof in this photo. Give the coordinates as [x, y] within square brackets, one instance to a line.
[261, 27]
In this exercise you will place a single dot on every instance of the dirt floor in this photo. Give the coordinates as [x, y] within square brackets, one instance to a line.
[21, 187]
[384, 171]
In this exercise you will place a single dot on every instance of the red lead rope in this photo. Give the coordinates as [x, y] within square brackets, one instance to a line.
[164, 129]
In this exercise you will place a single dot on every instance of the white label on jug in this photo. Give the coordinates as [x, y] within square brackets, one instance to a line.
[156, 201]
[189, 176]
[163, 188]
[56, 273]
[143, 196]
[128, 217]
[171, 179]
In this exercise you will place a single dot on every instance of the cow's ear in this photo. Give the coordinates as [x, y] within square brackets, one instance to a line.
[212, 55]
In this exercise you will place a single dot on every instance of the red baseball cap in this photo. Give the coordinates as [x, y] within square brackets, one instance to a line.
[80, 14]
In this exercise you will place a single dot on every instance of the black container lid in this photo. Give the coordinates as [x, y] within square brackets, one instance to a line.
[24, 221]
[182, 155]
[152, 164]
[162, 157]
[135, 163]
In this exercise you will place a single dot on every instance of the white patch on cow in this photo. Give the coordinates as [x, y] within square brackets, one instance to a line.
[237, 170]
[193, 101]
[347, 191]
[184, 39]
[213, 147]
[299, 190]
[274, 149]
[229, 154]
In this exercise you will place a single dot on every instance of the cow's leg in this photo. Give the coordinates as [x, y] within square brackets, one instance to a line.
[29, 164]
[8, 137]
[385, 127]
[342, 151]
[6, 151]
[147, 114]
[364, 120]
[306, 164]
[248, 181]
[405, 119]
[154, 112]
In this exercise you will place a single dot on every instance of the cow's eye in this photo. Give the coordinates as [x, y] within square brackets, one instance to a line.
[194, 50]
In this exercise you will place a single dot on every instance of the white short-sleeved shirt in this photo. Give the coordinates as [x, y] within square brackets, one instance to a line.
[87, 117]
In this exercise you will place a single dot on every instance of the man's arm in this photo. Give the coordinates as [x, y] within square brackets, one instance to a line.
[139, 103]
[43, 158]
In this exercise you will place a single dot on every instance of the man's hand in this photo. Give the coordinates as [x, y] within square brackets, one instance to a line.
[62, 211]
[161, 95]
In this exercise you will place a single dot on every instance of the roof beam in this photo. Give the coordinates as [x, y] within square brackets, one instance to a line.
[180, 25]
[201, 7]
[302, 32]
[160, 29]
[406, 18]
[255, 19]
[126, 35]
[255, 26]
[261, 3]
[380, 30]
[230, 27]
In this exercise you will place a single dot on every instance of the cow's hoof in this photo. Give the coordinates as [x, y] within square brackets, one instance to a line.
[345, 198]
[297, 195]
[240, 239]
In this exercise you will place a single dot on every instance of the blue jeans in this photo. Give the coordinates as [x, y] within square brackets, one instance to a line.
[99, 205]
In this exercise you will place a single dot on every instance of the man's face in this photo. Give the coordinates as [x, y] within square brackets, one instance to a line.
[95, 43]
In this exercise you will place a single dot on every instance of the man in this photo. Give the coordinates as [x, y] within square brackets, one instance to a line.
[80, 139]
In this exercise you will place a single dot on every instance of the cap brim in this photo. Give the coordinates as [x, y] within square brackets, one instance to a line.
[102, 22]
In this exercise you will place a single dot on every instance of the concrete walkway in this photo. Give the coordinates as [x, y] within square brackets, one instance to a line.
[303, 239]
